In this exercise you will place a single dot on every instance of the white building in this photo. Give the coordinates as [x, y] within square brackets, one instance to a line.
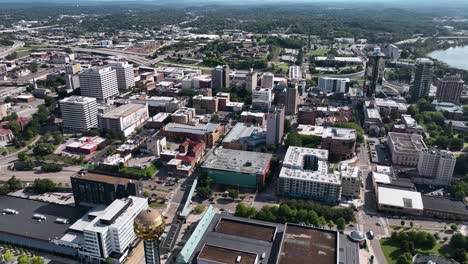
[436, 166]
[100, 83]
[78, 113]
[351, 181]
[125, 77]
[105, 232]
[399, 200]
[268, 80]
[334, 85]
[261, 99]
[125, 118]
[405, 149]
[295, 72]
[305, 174]
[391, 51]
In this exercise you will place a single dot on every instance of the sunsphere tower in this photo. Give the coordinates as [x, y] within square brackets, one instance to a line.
[149, 226]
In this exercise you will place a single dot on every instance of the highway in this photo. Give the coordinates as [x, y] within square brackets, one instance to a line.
[17, 45]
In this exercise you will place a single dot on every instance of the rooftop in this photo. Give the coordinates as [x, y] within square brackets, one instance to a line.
[23, 223]
[102, 178]
[245, 229]
[214, 254]
[240, 130]
[160, 117]
[197, 129]
[78, 100]
[237, 161]
[400, 198]
[372, 113]
[327, 132]
[444, 204]
[123, 111]
[403, 142]
[447, 107]
[302, 244]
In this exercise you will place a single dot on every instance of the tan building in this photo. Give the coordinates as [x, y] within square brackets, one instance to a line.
[205, 104]
[183, 116]
[405, 148]
[253, 118]
[210, 133]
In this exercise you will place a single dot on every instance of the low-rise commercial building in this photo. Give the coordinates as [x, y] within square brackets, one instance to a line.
[399, 201]
[305, 174]
[405, 149]
[124, 119]
[183, 115]
[85, 145]
[244, 136]
[205, 104]
[239, 168]
[253, 118]
[412, 126]
[210, 132]
[6, 136]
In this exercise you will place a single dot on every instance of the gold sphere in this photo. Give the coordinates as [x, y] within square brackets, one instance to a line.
[149, 224]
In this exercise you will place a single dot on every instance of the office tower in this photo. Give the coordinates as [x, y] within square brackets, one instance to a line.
[292, 99]
[125, 77]
[251, 81]
[220, 77]
[422, 79]
[261, 99]
[295, 72]
[275, 126]
[449, 89]
[437, 165]
[149, 226]
[267, 80]
[100, 83]
[335, 85]
[78, 113]
[374, 73]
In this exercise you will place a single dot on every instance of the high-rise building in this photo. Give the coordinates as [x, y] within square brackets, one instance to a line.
[220, 78]
[275, 126]
[261, 99]
[292, 99]
[268, 80]
[437, 166]
[251, 81]
[125, 77]
[149, 226]
[72, 68]
[295, 72]
[422, 79]
[335, 85]
[78, 113]
[449, 89]
[374, 73]
[100, 83]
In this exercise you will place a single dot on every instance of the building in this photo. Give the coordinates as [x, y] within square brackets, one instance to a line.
[95, 188]
[253, 118]
[333, 85]
[85, 145]
[372, 119]
[125, 76]
[190, 153]
[3, 110]
[397, 200]
[261, 99]
[224, 99]
[391, 51]
[305, 174]
[351, 181]
[412, 126]
[205, 104]
[72, 68]
[405, 149]
[78, 113]
[450, 110]
[307, 115]
[251, 80]
[374, 73]
[275, 126]
[292, 99]
[220, 78]
[449, 89]
[158, 121]
[158, 104]
[149, 226]
[244, 137]
[210, 132]
[220, 238]
[243, 169]
[444, 208]
[6, 136]
[124, 119]
[72, 82]
[422, 79]
[156, 144]
[340, 142]
[295, 72]
[21, 226]
[268, 80]
[183, 115]
[436, 166]
[100, 83]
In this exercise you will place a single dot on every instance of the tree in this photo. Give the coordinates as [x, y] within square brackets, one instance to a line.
[23, 259]
[43, 185]
[15, 127]
[233, 193]
[37, 260]
[457, 241]
[402, 222]
[456, 144]
[459, 255]
[204, 192]
[404, 259]
[146, 194]
[58, 137]
[8, 256]
[331, 224]
[340, 224]
[43, 149]
[51, 167]
[454, 227]
[33, 67]
[199, 209]
[411, 224]
[293, 139]
[287, 126]
[214, 118]
[14, 184]
[23, 156]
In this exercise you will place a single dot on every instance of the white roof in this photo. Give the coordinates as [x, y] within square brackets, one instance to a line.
[381, 178]
[400, 198]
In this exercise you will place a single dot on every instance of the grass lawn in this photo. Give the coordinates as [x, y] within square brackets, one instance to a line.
[283, 66]
[58, 158]
[318, 52]
[262, 41]
[155, 205]
[392, 252]
[148, 172]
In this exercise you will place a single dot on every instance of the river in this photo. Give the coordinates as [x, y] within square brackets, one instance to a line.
[455, 57]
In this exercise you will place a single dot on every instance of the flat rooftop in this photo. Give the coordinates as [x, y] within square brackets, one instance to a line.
[372, 113]
[444, 204]
[200, 129]
[102, 178]
[124, 111]
[303, 244]
[246, 229]
[215, 254]
[403, 142]
[237, 161]
[400, 198]
[77, 100]
[327, 132]
[24, 225]
[240, 130]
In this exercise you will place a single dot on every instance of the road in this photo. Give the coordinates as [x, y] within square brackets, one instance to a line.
[29, 176]
[16, 45]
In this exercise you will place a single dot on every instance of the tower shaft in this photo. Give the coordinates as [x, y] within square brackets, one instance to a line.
[152, 255]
